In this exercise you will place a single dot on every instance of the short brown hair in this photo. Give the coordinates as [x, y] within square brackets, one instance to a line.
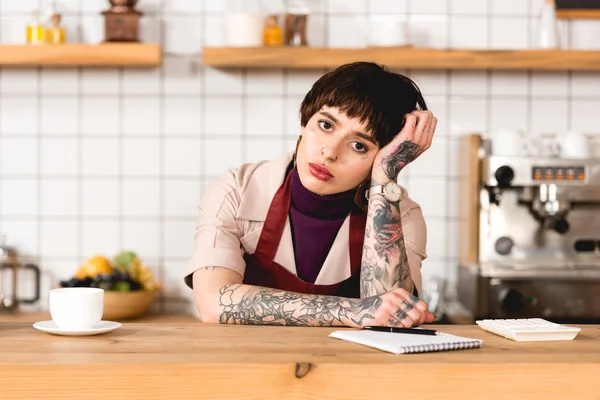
[369, 92]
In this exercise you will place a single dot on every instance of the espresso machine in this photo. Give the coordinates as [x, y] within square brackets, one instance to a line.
[529, 235]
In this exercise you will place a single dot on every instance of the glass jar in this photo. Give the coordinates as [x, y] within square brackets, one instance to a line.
[296, 21]
[272, 33]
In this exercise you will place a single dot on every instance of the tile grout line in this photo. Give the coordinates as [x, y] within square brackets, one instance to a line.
[161, 169]
[570, 79]
[80, 235]
[488, 73]
[528, 72]
[285, 99]
[244, 119]
[529, 120]
[448, 74]
[120, 170]
[250, 96]
[40, 255]
[79, 176]
[39, 174]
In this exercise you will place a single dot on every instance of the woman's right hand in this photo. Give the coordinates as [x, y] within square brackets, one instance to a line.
[399, 308]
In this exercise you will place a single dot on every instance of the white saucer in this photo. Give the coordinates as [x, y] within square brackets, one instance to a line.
[101, 327]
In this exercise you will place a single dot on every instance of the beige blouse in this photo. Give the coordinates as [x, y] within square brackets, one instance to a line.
[234, 207]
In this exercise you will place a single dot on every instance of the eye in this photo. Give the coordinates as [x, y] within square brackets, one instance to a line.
[359, 147]
[325, 125]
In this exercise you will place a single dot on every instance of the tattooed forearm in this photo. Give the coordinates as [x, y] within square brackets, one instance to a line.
[372, 276]
[254, 305]
[406, 152]
[384, 259]
[388, 231]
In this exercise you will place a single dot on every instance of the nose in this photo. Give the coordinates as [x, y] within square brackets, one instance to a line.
[329, 152]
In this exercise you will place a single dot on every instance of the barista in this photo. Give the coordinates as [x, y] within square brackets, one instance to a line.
[324, 235]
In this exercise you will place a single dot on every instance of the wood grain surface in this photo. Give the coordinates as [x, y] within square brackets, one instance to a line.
[71, 55]
[402, 57]
[203, 361]
[147, 318]
[578, 14]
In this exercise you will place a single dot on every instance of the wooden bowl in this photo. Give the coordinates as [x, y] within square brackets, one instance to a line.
[119, 306]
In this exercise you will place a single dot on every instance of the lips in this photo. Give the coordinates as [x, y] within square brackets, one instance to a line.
[320, 172]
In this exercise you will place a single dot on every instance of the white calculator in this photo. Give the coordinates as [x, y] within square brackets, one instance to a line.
[528, 329]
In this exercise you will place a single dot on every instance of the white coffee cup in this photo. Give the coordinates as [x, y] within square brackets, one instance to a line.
[76, 308]
[387, 31]
[573, 145]
[243, 30]
[509, 142]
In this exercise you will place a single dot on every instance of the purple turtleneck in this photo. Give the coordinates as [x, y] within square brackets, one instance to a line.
[315, 222]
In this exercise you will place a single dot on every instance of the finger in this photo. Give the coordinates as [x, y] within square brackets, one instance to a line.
[419, 305]
[408, 131]
[398, 307]
[423, 124]
[424, 316]
[429, 317]
[428, 135]
[390, 315]
[422, 307]
[406, 313]
[431, 132]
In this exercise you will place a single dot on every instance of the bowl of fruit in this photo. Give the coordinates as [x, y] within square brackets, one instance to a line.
[129, 285]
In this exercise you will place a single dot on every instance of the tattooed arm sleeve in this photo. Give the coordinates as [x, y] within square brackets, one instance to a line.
[255, 305]
[222, 298]
[384, 259]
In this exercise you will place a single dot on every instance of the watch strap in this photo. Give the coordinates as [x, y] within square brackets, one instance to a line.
[373, 190]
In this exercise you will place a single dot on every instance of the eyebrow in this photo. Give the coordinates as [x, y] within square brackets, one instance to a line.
[357, 133]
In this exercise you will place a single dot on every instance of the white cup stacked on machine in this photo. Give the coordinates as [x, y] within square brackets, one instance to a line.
[513, 142]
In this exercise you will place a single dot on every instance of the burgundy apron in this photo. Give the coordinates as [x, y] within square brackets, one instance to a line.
[261, 270]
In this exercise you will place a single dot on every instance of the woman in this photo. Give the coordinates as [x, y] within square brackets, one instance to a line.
[323, 236]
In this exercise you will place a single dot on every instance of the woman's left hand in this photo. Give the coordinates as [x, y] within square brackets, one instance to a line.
[414, 138]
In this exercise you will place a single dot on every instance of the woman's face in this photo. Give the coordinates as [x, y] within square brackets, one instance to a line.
[335, 154]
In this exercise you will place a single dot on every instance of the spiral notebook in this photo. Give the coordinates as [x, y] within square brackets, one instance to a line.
[402, 343]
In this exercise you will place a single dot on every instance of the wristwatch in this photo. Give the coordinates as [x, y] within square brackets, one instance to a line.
[391, 191]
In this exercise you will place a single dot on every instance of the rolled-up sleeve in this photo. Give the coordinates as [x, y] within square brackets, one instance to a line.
[415, 239]
[217, 237]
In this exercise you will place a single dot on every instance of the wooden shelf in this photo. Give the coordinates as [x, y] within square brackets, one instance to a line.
[73, 55]
[402, 57]
[578, 14]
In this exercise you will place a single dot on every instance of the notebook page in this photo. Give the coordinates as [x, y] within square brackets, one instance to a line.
[401, 343]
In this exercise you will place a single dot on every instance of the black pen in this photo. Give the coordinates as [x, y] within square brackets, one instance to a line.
[401, 330]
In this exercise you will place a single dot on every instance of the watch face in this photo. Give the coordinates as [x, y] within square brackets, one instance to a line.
[392, 191]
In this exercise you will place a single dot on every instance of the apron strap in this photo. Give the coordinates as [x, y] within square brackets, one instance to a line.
[358, 222]
[276, 219]
[272, 230]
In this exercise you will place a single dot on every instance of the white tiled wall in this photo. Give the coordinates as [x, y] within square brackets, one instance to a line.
[99, 160]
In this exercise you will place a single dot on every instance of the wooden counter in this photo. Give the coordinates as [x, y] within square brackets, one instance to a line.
[150, 318]
[197, 361]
